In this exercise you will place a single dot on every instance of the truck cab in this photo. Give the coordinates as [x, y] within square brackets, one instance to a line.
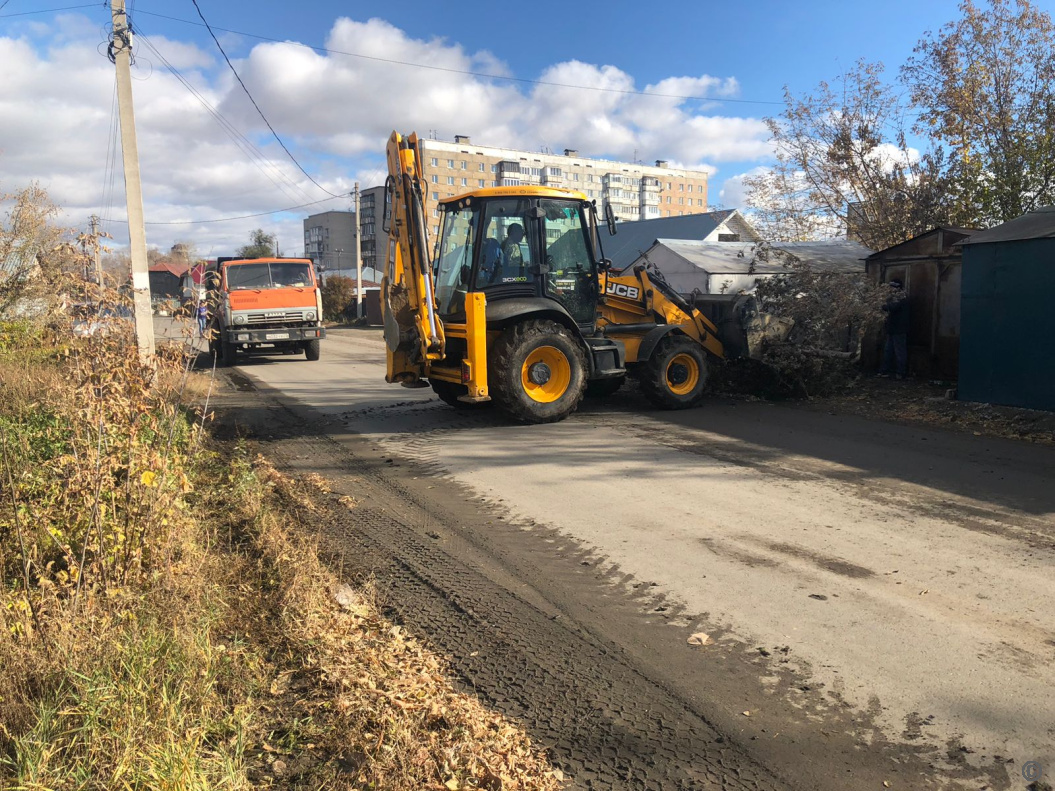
[265, 306]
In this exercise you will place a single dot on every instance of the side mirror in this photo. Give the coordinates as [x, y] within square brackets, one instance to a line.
[609, 218]
[605, 264]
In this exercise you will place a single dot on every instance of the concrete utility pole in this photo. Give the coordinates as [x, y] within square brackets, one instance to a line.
[358, 259]
[121, 53]
[95, 251]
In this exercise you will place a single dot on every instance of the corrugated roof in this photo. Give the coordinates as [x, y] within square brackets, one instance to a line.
[173, 269]
[17, 261]
[739, 258]
[1038, 224]
[634, 238]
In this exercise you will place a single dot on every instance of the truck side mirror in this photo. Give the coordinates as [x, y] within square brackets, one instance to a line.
[609, 218]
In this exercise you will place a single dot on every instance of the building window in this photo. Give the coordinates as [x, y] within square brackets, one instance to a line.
[450, 179]
[668, 199]
[690, 188]
[494, 183]
[464, 164]
[465, 182]
[494, 168]
[435, 179]
[699, 202]
[450, 163]
[435, 196]
[435, 162]
[681, 188]
[481, 182]
[482, 167]
[728, 237]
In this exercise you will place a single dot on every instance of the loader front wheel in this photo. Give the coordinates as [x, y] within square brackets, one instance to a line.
[537, 372]
[675, 376]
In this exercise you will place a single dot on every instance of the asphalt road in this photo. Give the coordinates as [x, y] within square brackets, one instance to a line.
[865, 586]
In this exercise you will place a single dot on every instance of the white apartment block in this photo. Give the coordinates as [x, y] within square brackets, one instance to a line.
[634, 191]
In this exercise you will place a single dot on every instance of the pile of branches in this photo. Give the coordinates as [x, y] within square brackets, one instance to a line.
[819, 321]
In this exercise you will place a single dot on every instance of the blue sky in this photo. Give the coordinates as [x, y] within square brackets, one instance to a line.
[334, 111]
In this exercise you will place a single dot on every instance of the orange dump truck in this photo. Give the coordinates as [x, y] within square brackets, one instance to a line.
[265, 306]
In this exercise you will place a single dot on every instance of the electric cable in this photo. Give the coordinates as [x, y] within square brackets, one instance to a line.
[257, 157]
[239, 217]
[484, 75]
[50, 10]
[257, 106]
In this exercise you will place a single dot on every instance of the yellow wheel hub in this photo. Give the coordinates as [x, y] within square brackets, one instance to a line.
[683, 374]
[545, 374]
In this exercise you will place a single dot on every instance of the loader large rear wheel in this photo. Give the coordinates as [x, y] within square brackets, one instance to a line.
[537, 372]
[675, 376]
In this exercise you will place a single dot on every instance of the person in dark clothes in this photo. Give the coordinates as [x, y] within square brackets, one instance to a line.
[895, 353]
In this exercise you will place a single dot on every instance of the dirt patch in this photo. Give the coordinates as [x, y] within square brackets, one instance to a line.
[926, 403]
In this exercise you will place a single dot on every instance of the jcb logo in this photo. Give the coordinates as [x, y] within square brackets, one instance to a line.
[619, 290]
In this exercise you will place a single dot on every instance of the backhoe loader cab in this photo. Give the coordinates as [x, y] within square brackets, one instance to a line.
[505, 245]
[519, 307]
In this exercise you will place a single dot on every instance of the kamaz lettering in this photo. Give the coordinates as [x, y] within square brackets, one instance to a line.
[619, 290]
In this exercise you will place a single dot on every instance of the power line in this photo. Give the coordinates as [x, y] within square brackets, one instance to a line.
[50, 10]
[261, 112]
[484, 75]
[245, 145]
[240, 217]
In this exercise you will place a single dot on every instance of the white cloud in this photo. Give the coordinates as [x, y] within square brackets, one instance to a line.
[334, 111]
[733, 194]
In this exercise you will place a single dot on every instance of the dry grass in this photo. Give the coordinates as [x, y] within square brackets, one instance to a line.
[163, 624]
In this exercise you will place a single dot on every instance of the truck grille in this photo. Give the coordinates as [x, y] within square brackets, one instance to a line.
[275, 317]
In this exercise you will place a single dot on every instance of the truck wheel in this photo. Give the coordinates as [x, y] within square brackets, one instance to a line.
[602, 388]
[227, 352]
[537, 372]
[449, 392]
[311, 350]
[675, 376]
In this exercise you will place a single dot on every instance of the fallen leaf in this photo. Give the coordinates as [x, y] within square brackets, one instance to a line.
[747, 714]
[452, 784]
[924, 591]
[886, 784]
[699, 639]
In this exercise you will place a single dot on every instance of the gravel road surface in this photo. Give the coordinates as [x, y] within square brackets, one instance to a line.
[878, 599]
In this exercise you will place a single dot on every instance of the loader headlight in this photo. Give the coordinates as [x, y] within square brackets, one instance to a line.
[310, 315]
[239, 319]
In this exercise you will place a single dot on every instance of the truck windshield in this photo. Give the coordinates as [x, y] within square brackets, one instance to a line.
[268, 275]
[454, 263]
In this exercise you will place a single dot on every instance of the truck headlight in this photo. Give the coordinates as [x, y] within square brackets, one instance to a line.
[310, 315]
[239, 319]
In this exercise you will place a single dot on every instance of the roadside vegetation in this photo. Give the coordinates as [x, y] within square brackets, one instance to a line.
[165, 620]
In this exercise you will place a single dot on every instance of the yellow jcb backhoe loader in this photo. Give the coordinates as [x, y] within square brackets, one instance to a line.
[520, 306]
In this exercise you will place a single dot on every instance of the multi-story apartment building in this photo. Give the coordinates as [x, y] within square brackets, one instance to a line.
[329, 240]
[634, 191]
[372, 207]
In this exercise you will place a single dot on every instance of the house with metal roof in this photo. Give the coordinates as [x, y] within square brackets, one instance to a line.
[166, 277]
[733, 267]
[634, 238]
[1007, 345]
[18, 269]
